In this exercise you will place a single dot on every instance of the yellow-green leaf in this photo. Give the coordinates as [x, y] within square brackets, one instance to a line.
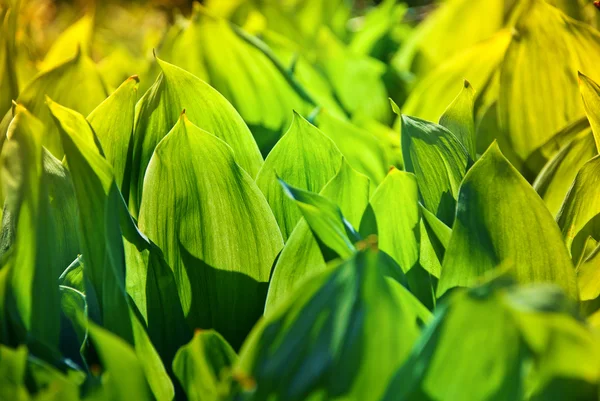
[501, 220]
[304, 158]
[301, 255]
[112, 122]
[203, 366]
[159, 109]
[215, 228]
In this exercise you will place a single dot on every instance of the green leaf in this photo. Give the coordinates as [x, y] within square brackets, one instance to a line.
[528, 67]
[124, 376]
[92, 180]
[590, 92]
[396, 209]
[356, 79]
[516, 343]
[325, 220]
[73, 303]
[538, 159]
[221, 271]
[102, 214]
[301, 255]
[500, 219]
[32, 253]
[112, 122]
[431, 95]
[459, 119]
[75, 84]
[304, 158]
[557, 175]
[440, 36]
[203, 366]
[361, 149]
[241, 68]
[438, 160]
[160, 107]
[320, 342]
[581, 204]
[377, 29]
[9, 86]
[76, 38]
[13, 363]
[588, 276]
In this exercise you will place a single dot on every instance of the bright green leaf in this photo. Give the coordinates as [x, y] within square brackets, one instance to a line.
[159, 109]
[203, 365]
[305, 158]
[221, 241]
[438, 160]
[557, 175]
[301, 255]
[590, 92]
[75, 84]
[530, 68]
[458, 118]
[492, 228]
[112, 122]
[320, 344]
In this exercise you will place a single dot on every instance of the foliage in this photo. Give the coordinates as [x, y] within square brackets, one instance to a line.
[300, 200]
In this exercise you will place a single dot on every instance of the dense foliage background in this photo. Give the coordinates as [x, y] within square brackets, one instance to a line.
[300, 200]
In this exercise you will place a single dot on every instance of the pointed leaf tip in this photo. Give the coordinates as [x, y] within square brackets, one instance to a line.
[395, 107]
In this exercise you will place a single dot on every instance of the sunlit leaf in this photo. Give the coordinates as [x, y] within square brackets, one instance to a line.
[528, 67]
[582, 202]
[438, 160]
[27, 209]
[396, 210]
[491, 229]
[361, 149]
[325, 220]
[203, 365]
[515, 342]
[320, 343]
[160, 107]
[76, 38]
[305, 158]
[75, 84]
[441, 36]
[222, 269]
[104, 268]
[112, 122]
[432, 95]
[557, 175]
[356, 79]
[458, 119]
[124, 375]
[13, 363]
[9, 86]
[301, 255]
[241, 68]
[590, 92]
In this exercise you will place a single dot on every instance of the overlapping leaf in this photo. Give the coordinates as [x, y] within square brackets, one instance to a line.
[302, 255]
[529, 67]
[203, 365]
[491, 229]
[75, 84]
[158, 111]
[305, 158]
[515, 343]
[438, 160]
[215, 227]
[112, 122]
[320, 343]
